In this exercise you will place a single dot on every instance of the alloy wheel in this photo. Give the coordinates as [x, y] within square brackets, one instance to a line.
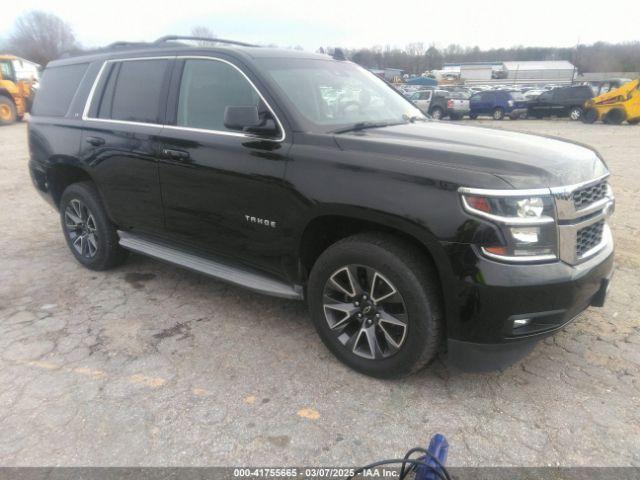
[365, 312]
[81, 228]
[575, 114]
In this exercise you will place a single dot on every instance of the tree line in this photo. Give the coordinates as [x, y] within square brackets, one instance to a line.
[416, 59]
[42, 37]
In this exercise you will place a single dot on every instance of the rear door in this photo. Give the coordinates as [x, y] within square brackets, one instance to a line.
[223, 190]
[120, 139]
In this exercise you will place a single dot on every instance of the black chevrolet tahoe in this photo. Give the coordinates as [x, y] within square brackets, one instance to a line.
[306, 177]
[560, 102]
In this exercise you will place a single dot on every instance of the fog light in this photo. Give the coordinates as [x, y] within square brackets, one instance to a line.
[521, 322]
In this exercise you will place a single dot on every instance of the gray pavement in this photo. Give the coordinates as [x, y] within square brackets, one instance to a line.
[152, 365]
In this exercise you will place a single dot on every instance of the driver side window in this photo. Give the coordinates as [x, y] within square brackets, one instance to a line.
[207, 88]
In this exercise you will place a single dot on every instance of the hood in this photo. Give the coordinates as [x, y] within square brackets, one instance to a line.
[522, 160]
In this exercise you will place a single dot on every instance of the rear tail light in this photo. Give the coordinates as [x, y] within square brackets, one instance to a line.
[450, 104]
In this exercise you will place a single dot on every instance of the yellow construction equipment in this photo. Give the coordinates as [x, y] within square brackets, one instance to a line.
[616, 106]
[16, 96]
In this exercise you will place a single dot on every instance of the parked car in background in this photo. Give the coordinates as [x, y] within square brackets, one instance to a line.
[497, 104]
[457, 105]
[421, 99]
[533, 93]
[433, 102]
[561, 102]
[457, 89]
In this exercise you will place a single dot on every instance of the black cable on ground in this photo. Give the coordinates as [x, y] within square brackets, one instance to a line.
[441, 472]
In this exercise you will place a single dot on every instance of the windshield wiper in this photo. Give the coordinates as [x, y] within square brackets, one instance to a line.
[362, 126]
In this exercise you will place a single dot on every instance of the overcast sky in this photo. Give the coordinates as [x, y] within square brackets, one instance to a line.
[347, 23]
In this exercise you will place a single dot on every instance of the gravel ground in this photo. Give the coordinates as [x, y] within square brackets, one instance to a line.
[153, 365]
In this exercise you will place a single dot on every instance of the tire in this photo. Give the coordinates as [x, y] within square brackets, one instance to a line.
[400, 267]
[514, 117]
[437, 113]
[8, 113]
[635, 121]
[498, 113]
[590, 115]
[575, 113]
[90, 235]
[615, 116]
[473, 116]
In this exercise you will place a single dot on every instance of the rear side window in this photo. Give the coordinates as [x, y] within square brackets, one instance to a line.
[207, 88]
[57, 88]
[133, 91]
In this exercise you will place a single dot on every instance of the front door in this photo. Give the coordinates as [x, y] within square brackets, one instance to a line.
[222, 190]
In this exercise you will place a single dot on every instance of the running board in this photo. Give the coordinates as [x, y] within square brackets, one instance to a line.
[213, 267]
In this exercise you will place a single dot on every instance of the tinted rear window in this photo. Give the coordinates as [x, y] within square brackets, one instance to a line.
[57, 88]
[133, 91]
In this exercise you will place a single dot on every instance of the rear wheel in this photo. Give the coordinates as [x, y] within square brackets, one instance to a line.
[8, 114]
[615, 116]
[498, 113]
[437, 113]
[375, 302]
[590, 115]
[473, 116]
[635, 121]
[575, 113]
[89, 233]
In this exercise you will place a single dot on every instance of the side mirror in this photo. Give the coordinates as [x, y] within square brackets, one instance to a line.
[239, 118]
[247, 119]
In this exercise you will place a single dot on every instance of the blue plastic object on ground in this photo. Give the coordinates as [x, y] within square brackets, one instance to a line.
[438, 447]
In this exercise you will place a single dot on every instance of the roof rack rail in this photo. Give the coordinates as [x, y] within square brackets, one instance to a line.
[125, 44]
[169, 38]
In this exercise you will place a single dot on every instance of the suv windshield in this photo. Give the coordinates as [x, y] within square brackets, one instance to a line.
[329, 95]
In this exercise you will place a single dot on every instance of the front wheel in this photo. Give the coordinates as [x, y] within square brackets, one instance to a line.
[8, 113]
[498, 114]
[375, 302]
[473, 116]
[89, 233]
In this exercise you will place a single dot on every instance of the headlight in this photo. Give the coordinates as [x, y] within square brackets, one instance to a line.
[527, 223]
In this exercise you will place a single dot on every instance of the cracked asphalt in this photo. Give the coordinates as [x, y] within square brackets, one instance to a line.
[151, 365]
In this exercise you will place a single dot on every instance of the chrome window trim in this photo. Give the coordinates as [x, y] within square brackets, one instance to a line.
[506, 220]
[85, 114]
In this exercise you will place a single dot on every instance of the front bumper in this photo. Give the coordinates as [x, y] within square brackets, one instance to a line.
[491, 295]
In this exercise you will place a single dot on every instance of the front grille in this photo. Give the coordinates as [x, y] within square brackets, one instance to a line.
[583, 197]
[589, 237]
